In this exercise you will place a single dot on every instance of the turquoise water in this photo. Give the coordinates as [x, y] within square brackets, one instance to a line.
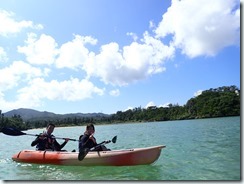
[207, 149]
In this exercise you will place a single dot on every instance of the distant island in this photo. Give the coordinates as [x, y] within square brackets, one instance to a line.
[219, 102]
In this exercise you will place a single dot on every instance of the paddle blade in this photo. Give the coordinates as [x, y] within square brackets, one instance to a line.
[82, 153]
[12, 131]
[114, 139]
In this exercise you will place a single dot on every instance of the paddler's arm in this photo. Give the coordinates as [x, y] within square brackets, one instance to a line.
[36, 140]
[83, 141]
[59, 147]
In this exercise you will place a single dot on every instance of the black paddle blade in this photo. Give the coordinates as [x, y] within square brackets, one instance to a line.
[82, 153]
[12, 131]
[114, 139]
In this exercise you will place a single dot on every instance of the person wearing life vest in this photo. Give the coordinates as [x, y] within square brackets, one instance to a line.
[46, 141]
[87, 140]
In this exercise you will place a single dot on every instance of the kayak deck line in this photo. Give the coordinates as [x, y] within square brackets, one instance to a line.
[124, 157]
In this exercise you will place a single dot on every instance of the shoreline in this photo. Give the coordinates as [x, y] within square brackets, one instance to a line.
[128, 122]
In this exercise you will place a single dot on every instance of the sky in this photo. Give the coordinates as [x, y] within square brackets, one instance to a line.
[107, 56]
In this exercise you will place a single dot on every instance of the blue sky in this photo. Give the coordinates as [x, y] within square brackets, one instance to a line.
[108, 56]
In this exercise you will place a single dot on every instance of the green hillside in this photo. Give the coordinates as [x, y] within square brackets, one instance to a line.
[220, 102]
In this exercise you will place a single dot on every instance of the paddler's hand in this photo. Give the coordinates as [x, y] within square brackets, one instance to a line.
[66, 139]
[92, 138]
[41, 136]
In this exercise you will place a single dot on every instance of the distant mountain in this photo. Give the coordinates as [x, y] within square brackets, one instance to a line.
[30, 114]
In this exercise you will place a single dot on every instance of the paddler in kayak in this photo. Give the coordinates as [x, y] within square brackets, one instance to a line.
[87, 140]
[46, 140]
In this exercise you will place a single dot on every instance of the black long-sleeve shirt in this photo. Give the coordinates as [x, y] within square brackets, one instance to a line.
[47, 143]
[85, 142]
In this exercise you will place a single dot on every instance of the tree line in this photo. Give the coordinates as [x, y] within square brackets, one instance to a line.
[219, 102]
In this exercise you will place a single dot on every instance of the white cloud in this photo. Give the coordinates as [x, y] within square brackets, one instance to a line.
[133, 35]
[134, 62]
[112, 68]
[10, 105]
[39, 51]
[3, 55]
[150, 104]
[199, 92]
[161, 52]
[112, 65]
[68, 90]
[107, 65]
[16, 72]
[128, 108]
[165, 105]
[38, 90]
[138, 57]
[151, 24]
[201, 27]
[74, 54]
[205, 33]
[10, 26]
[198, 28]
[115, 92]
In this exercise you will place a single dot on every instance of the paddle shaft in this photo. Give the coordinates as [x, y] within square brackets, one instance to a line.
[15, 132]
[52, 137]
[84, 151]
[102, 143]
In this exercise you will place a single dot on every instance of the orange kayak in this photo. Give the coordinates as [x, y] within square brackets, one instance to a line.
[127, 157]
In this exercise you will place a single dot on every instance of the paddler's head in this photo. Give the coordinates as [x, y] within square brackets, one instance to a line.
[50, 128]
[90, 129]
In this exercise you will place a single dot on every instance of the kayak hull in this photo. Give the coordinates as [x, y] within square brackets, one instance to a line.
[128, 157]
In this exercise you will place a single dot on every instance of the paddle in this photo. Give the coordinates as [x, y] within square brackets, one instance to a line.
[15, 132]
[83, 152]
